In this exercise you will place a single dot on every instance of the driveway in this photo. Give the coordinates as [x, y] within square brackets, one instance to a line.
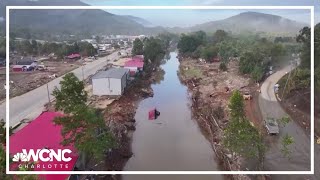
[31, 104]
[300, 158]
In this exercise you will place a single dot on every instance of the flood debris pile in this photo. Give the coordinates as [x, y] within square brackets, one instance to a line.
[211, 89]
[25, 81]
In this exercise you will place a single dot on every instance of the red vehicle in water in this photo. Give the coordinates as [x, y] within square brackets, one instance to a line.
[153, 114]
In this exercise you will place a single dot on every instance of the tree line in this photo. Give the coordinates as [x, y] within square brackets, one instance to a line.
[242, 138]
[255, 52]
[32, 47]
[300, 77]
[153, 49]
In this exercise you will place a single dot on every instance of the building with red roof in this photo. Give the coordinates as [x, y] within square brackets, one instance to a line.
[134, 65]
[42, 134]
[74, 56]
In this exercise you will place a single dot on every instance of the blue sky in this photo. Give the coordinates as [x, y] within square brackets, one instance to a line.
[190, 17]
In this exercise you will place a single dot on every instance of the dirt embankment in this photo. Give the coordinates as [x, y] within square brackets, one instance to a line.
[211, 89]
[297, 104]
[119, 115]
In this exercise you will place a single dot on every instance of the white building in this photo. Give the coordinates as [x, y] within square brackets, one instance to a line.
[110, 82]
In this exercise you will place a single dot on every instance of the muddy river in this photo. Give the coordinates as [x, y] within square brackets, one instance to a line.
[173, 141]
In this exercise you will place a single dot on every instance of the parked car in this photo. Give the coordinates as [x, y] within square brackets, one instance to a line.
[247, 96]
[272, 126]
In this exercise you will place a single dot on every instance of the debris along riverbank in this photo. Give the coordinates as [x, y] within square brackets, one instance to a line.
[119, 117]
[211, 89]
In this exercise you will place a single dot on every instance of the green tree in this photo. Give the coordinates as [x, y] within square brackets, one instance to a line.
[26, 47]
[82, 126]
[276, 51]
[189, 43]
[137, 48]
[240, 136]
[236, 105]
[257, 73]
[153, 51]
[305, 38]
[208, 53]
[71, 95]
[243, 139]
[219, 36]
[228, 48]
[249, 60]
[86, 49]
[34, 46]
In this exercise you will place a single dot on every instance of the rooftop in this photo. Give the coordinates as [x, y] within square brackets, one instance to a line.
[74, 56]
[134, 63]
[111, 73]
[42, 133]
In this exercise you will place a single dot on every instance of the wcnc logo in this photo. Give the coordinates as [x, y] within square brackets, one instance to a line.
[43, 155]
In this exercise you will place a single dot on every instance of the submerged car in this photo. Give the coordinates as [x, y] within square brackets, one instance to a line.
[272, 126]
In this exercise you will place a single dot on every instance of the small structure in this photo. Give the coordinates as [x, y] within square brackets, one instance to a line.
[110, 82]
[134, 65]
[74, 56]
[42, 134]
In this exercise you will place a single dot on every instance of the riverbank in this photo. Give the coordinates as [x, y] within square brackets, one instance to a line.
[119, 116]
[172, 142]
[211, 89]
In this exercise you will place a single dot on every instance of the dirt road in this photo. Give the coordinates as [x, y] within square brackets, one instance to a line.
[30, 104]
[300, 157]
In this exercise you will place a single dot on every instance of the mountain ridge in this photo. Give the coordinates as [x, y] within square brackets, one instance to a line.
[51, 23]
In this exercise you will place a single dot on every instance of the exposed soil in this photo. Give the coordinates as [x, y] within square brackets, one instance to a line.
[119, 115]
[22, 82]
[211, 89]
[297, 105]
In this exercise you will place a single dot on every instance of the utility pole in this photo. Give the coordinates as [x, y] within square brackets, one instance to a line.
[48, 93]
[82, 73]
[286, 81]
[82, 66]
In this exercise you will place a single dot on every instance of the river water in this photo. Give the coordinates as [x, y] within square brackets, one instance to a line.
[173, 141]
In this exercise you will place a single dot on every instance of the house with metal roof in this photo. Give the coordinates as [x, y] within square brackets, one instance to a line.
[110, 82]
[42, 134]
[134, 65]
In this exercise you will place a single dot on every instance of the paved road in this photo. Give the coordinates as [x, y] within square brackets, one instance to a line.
[30, 104]
[300, 157]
